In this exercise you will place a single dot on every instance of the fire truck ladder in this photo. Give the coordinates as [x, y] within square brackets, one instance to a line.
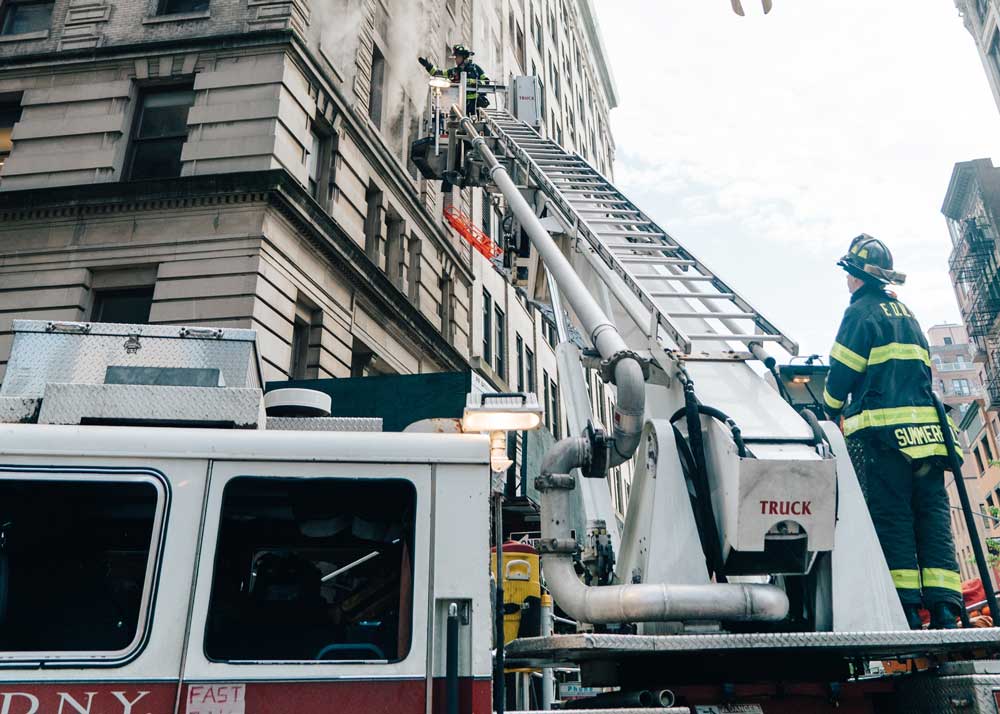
[642, 265]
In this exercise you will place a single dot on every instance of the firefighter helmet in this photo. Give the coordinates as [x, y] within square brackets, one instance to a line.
[460, 50]
[869, 259]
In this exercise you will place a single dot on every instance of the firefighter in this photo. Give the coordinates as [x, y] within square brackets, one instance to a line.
[880, 381]
[474, 75]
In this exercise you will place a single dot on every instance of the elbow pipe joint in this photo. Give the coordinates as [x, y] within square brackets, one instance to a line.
[629, 410]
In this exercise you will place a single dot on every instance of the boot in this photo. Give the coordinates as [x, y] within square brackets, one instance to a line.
[913, 617]
[943, 616]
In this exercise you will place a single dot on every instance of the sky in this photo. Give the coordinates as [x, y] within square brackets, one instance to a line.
[764, 144]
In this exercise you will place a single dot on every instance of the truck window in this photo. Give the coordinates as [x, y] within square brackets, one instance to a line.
[316, 569]
[75, 565]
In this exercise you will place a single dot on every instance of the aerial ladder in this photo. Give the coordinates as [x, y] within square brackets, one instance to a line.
[747, 553]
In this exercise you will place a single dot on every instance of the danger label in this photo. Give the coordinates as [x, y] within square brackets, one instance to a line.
[216, 699]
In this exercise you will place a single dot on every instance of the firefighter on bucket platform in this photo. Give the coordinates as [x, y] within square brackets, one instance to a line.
[880, 369]
[474, 76]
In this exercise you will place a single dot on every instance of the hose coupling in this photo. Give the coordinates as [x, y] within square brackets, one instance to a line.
[607, 368]
[559, 546]
[555, 482]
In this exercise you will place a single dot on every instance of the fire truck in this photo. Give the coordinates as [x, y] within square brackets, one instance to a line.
[173, 539]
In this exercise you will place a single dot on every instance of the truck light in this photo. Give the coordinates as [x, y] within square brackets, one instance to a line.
[498, 414]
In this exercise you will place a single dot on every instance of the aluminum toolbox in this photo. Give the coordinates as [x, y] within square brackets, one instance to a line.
[82, 352]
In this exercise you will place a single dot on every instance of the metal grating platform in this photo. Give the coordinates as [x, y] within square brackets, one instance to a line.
[844, 645]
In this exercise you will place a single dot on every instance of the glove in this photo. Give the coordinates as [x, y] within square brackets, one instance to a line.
[425, 63]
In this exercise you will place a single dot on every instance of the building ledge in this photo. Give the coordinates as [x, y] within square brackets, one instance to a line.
[25, 36]
[177, 17]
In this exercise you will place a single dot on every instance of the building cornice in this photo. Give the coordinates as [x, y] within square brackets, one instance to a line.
[275, 188]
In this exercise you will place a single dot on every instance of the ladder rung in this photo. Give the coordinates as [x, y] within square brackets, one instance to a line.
[590, 192]
[623, 211]
[616, 222]
[630, 234]
[685, 278]
[642, 247]
[696, 296]
[717, 315]
[739, 338]
[646, 260]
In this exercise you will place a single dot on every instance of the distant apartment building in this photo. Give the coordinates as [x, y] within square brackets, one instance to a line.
[957, 377]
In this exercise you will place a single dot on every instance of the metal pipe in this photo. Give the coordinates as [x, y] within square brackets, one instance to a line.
[627, 377]
[451, 661]
[645, 602]
[499, 683]
[970, 522]
[664, 697]
[548, 681]
[641, 699]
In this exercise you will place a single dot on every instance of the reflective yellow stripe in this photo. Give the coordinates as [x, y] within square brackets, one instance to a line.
[890, 417]
[848, 358]
[831, 402]
[905, 579]
[898, 350]
[924, 451]
[941, 578]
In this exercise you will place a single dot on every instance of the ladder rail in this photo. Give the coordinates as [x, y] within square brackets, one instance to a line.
[663, 241]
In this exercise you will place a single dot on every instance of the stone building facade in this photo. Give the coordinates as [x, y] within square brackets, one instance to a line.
[982, 20]
[245, 164]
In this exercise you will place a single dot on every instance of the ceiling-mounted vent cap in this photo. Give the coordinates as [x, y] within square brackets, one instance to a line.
[297, 403]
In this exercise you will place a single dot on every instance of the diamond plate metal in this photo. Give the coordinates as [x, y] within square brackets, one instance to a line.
[18, 410]
[80, 352]
[74, 403]
[324, 424]
[932, 693]
[873, 645]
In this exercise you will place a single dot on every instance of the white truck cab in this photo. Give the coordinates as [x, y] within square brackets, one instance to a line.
[152, 569]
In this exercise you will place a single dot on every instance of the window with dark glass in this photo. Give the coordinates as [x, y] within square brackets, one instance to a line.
[554, 391]
[131, 305]
[160, 132]
[376, 87]
[987, 450]
[317, 569]
[500, 327]
[175, 7]
[529, 370]
[487, 328]
[18, 17]
[77, 559]
[520, 363]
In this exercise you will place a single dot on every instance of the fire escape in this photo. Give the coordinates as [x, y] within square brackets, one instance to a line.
[974, 266]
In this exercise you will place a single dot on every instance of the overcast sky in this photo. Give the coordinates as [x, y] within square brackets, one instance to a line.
[764, 144]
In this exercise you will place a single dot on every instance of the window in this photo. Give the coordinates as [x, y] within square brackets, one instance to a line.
[130, 306]
[519, 342]
[979, 461]
[173, 7]
[18, 17]
[554, 392]
[947, 340]
[487, 328]
[500, 326]
[529, 370]
[487, 213]
[961, 387]
[546, 396]
[373, 221]
[447, 306]
[536, 30]
[553, 336]
[314, 569]
[307, 317]
[10, 114]
[313, 162]
[394, 259]
[79, 559]
[987, 451]
[414, 246]
[160, 132]
[376, 86]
